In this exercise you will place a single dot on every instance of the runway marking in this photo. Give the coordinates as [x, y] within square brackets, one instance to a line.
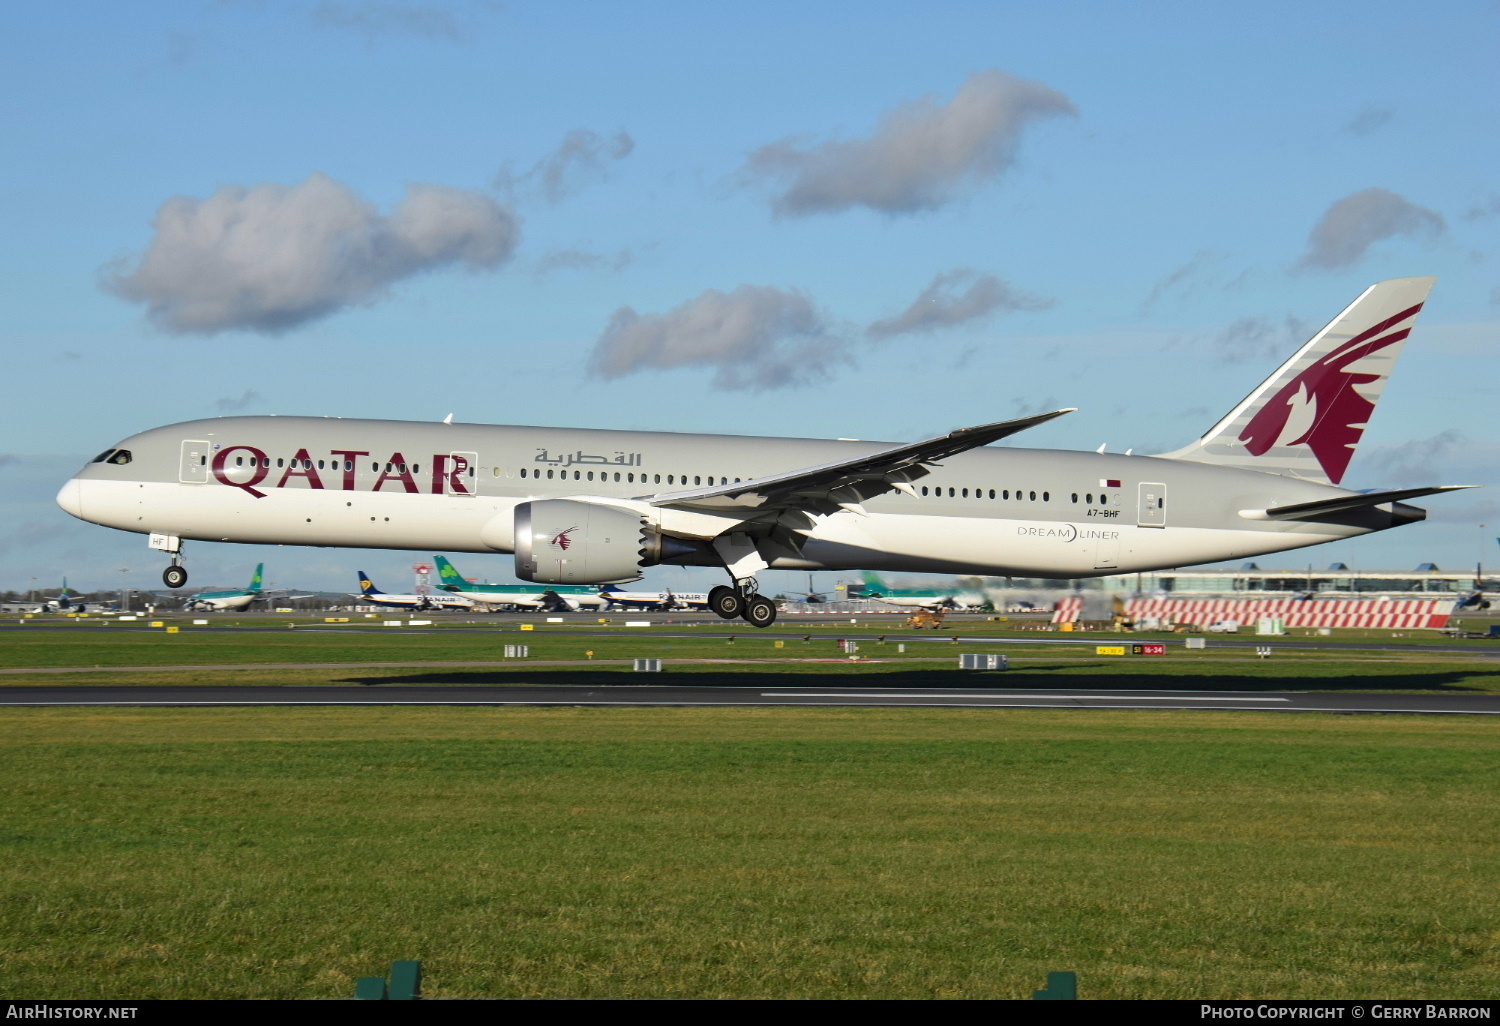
[1010, 697]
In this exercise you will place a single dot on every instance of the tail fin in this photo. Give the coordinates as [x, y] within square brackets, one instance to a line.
[1305, 419]
[448, 574]
[873, 583]
[255, 580]
[366, 586]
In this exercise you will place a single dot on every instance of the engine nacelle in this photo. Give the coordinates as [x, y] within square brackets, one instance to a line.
[564, 541]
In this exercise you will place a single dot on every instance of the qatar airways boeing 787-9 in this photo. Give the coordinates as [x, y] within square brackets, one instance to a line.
[586, 506]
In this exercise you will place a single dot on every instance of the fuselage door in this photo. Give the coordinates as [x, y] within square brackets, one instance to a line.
[1152, 511]
[1107, 550]
[461, 474]
[194, 466]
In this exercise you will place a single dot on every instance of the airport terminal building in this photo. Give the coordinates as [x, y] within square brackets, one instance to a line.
[1338, 580]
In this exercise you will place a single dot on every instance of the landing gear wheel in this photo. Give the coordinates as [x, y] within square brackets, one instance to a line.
[174, 576]
[725, 602]
[759, 611]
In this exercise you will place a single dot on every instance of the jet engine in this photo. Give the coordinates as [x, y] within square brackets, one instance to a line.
[564, 541]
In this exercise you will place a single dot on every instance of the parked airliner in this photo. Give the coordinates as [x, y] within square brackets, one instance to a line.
[231, 598]
[920, 598]
[580, 506]
[373, 596]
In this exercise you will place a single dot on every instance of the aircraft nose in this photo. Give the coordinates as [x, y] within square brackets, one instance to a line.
[70, 497]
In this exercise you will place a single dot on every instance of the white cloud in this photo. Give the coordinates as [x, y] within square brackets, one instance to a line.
[1486, 209]
[755, 338]
[1369, 119]
[1352, 225]
[270, 257]
[924, 154]
[576, 259]
[232, 405]
[1258, 338]
[940, 306]
[582, 158]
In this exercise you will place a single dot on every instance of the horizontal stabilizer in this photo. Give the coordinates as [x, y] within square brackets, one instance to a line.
[1338, 504]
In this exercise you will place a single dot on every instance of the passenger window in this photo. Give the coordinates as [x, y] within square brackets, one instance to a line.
[278, 462]
[924, 489]
[669, 479]
[992, 493]
[1033, 496]
[348, 465]
[1102, 499]
[1046, 496]
[591, 475]
[697, 480]
[106, 454]
[617, 477]
[577, 475]
[320, 464]
[630, 479]
[1005, 493]
[966, 493]
[658, 479]
[549, 475]
[239, 461]
[1089, 498]
[950, 493]
[523, 471]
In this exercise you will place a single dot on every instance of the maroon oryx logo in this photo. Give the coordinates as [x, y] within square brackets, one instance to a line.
[1339, 412]
[561, 539]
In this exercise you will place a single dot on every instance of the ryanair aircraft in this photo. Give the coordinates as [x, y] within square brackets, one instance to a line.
[580, 507]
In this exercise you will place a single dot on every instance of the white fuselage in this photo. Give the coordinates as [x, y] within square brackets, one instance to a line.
[404, 485]
[221, 603]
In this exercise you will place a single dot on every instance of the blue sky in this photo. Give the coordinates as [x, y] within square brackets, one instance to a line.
[1141, 221]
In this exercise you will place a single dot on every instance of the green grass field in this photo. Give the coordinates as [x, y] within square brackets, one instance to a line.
[125, 655]
[747, 853]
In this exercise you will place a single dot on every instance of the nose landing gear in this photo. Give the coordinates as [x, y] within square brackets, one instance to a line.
[174, 576]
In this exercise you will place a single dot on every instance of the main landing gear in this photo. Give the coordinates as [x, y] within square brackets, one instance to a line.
[742, 601]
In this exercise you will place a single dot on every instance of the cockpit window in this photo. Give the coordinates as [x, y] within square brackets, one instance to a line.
[106, 454]
[120, 458]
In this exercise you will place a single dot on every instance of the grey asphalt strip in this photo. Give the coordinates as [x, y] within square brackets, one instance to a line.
[658, 695]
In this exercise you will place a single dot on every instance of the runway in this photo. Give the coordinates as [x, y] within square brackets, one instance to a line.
[660, 695]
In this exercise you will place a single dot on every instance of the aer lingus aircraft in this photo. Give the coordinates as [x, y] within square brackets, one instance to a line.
[580, 506]
[229, 598]
[921, 598]
[556, 598]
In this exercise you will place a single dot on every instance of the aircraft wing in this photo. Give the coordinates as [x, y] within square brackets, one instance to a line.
[844, 484]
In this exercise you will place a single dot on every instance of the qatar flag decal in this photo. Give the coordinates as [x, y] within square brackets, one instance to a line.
[1109, 482]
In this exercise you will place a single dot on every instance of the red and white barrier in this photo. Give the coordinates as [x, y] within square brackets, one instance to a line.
[1416, 614]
